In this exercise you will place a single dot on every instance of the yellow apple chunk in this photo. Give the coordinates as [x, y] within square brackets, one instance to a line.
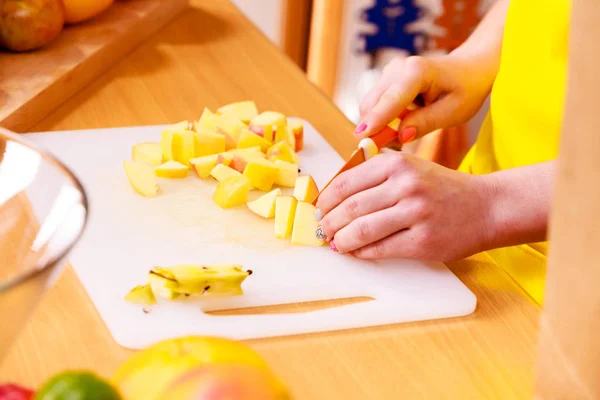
[141, 177]
[232, 191]
[203, 165]
[286, 174]
[261, 173]
[149, 153]
[207, 120]
[305, 226]
[282, 151]
[171, 169]
[207, 142]
[270, 124]
[298, 128]
[238, 163]
[166, 138]
[290, 138]
[221, 172]
[243, 110]
[265, 204]
[141, 295]
[306, 189]
[285, 211]
[230, 126]
[183, 146]
[249, 139]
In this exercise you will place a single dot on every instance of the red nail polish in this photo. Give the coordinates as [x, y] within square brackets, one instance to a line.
[361, 128]
[408, 134]
[332, 246]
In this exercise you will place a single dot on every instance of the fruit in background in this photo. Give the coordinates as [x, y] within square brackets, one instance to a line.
[305, 226]
[306, 189]
[141, 177]
[81, 385]
[231, 127]
[232, 192]
[81, 10]
[261, 173]
[203, 165]
[150, 153]
[271, 124]
[265, 204]
[285, 211]
[30, 24]
[221, 172]
[286, 173]
[250, 139]
[282, 151]
[162, 283]
[207, 142]
[171, 169]
[290, 138]
[222, 280]
[149, 372]
[238, 163]
[243, 110]
[227, 381]
[166, 138]
[183, 146]
[298, 128]
[207, 120]
[11, 391]
[141, 295]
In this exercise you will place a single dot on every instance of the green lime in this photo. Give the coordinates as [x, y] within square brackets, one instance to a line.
[77, 385]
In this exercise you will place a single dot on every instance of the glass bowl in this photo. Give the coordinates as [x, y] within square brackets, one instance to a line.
[43, 212]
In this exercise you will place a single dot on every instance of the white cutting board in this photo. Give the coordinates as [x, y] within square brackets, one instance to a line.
[127, 234]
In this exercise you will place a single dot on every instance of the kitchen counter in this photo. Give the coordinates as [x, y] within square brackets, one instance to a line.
[211, 55]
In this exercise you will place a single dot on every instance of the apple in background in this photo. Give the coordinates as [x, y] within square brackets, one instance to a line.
[243, 110]
[297, 129]
[30, 24]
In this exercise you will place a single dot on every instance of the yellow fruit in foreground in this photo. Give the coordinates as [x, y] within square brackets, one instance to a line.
[286, 173]
[81, 10]
[171, 169]
[142, 178]
[151, 371]
[249, 139]
[203, 165]
[265, 204]
[261, 173]
[147, 152]
[232, 192]
[221, 172]
[282, 151]
[306, 189]
[285, 211]
[305, 226]
[226, 381]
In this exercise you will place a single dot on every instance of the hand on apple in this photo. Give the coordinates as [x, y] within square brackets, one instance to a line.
[396, 205]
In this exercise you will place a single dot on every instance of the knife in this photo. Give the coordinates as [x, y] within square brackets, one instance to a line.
[387, 135]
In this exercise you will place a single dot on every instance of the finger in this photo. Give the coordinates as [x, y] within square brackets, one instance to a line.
[402, 244]
[372, 97]
[362, 203]
[372, 227]
[441, 114]
[369, 174]
[413, 79]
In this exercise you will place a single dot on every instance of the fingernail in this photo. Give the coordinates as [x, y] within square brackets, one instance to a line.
[361, 128]
[408, 134]
[320, 234]
[332, 246]
[318, 214]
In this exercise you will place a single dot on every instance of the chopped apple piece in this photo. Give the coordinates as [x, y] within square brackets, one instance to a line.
[271, 124]
[261, 173]
[207, 142]
[230, 126]
[209, 279]
[265, 204]
[306, 189]
[286, 174]
[207, 120]
[249, 139]
[221, 172]
[163, 283]
[171, 169]
[238, 163]
[141, 295]
[183, 146]
[203, 165]
[166, 139]
[298, 129]
[305, 226]
[149, 153]
[290, 138]
[243, 110]
[232, 191]
[285, 210]
[141, 177]
[282, 151]
[225, 158]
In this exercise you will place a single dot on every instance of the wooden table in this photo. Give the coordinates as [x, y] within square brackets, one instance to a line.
[211, 55]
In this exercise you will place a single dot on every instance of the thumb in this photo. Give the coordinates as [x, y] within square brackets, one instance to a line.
[422, 121]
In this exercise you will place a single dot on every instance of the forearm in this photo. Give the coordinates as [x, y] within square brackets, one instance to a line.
[518, 206]
[483, 48]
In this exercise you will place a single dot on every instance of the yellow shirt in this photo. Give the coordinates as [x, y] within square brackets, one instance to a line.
[526, 108]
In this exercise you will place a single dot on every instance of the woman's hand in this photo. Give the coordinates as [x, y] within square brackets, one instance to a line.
[398, 205]
[452, 87]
